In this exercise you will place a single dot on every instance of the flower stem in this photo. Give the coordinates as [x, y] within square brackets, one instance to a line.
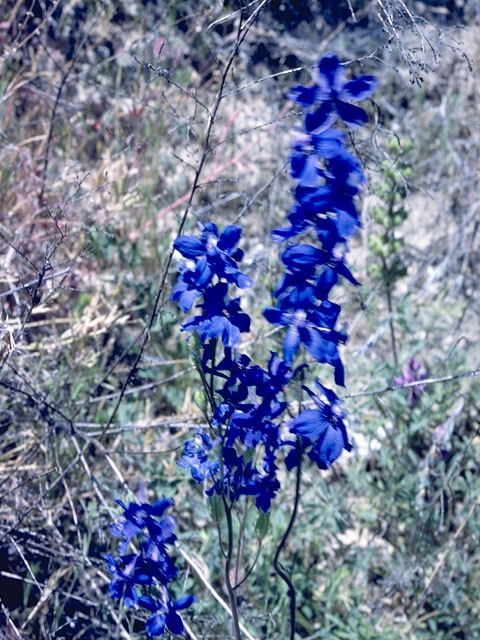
[390, 311]
[228, 564]
[278, 567]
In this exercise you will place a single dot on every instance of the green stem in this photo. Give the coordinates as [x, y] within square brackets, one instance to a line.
[228, 564]
[390, 312]
[241, 539]
[278, 567]
[228, 513]
[386, 275]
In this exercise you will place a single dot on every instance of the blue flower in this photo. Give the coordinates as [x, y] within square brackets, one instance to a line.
[233, 466]
[156, 563]
[236, 368]
[190, 285]
[264, 486]
[212, 254]
[312, 273]
[307, 150]
[222, 317]
[152, 565]
[330, 194]
[124, 580]
[343, 179]
[196, 458]
[242, 478]
[330, 92]
[253, 424]
[315, 329]
[268, 384]
[151, 568]
[165, 613]
[143, 516]
[322, 430]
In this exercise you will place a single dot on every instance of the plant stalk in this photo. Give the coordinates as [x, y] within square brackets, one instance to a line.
[228, 564]
[278, 567]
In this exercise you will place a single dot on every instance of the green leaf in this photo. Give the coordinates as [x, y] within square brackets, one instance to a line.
[217, 508]
[261, 526]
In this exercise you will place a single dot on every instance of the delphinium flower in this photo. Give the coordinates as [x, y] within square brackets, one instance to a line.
[221, 317]
[141, 577]
[328, 178]
[321, 430]
[211, 254]
[330, 96]
[165, 614]
[306, 319]
[245, 397]
[197, 457]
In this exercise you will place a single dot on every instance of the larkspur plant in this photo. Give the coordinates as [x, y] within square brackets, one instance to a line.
[141, 578]
[245, 403]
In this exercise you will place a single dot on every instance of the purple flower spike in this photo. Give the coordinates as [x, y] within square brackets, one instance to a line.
[414, 370]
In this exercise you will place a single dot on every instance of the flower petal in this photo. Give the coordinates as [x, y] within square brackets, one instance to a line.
[330, 68]
[290, 344]
[321, 119]
[302, 257]
[304, 96]
[309, 424]
[331, 446]
[189, 246]
[174, 623]
[155, 625]
[242, 281]
[351, 115]
[329, 143]
[275, 316]
[229, 237]
[184, 602]
[359, 88]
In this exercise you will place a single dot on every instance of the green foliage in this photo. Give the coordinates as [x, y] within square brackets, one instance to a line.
[386, 242]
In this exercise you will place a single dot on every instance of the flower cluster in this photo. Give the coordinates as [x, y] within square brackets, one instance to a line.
[244, 397]
[212, 255]
[249, 409]
[328, 179]
[141, 577]
[239, 456]
[247, 404]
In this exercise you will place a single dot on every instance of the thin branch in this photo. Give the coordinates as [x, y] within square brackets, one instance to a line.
[375, 392]
[35, 282]
[278, 567]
